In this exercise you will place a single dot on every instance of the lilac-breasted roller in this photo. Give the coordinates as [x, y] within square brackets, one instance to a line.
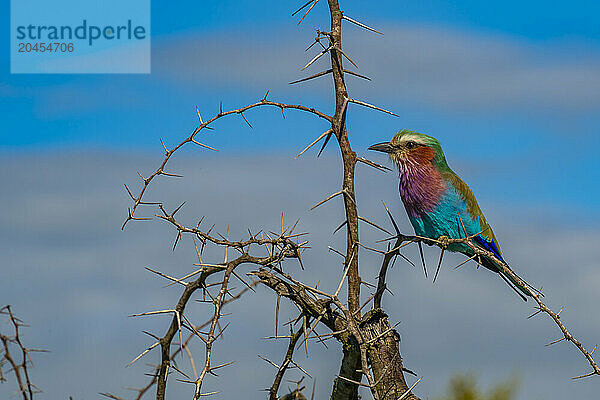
[434, 197]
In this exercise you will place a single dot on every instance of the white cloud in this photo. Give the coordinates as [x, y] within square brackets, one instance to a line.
[436, 66]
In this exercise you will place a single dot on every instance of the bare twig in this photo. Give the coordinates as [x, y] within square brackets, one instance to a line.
[191, 138]
[19, 368]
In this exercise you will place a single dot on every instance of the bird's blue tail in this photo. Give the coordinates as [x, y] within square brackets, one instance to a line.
[492, 266]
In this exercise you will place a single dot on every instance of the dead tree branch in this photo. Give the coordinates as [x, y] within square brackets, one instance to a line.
[19, 365]
[369, 343]
[285, 364]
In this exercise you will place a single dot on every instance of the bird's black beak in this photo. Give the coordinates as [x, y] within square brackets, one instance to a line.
[385, 147]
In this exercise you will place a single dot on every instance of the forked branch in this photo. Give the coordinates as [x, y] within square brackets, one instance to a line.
[20, 362]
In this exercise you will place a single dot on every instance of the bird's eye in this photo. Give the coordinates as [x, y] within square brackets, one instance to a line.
[411, 145]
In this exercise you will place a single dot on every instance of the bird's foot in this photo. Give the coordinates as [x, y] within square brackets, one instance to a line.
[443, 241]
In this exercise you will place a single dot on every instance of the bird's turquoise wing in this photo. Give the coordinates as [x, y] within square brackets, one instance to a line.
[471, 211]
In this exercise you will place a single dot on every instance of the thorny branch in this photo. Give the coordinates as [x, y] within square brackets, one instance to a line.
[404, 240]
[274, 389]
[542, 307]
[281, 247]
[370, 344]
[18, 365]
[138, 200]
[311, 301]
[177, 352]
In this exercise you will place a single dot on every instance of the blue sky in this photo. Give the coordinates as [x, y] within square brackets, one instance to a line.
[499, 84]
[511, 89]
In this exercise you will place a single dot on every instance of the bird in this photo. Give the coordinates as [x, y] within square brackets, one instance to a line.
[439, 204]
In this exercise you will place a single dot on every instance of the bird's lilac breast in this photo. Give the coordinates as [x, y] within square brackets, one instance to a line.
[421, 189]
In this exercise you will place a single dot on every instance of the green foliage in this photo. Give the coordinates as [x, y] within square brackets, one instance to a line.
[464, 387]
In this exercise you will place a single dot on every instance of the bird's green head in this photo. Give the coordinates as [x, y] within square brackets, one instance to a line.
[409, 147]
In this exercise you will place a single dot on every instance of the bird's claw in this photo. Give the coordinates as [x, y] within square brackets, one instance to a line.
[443, 241]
